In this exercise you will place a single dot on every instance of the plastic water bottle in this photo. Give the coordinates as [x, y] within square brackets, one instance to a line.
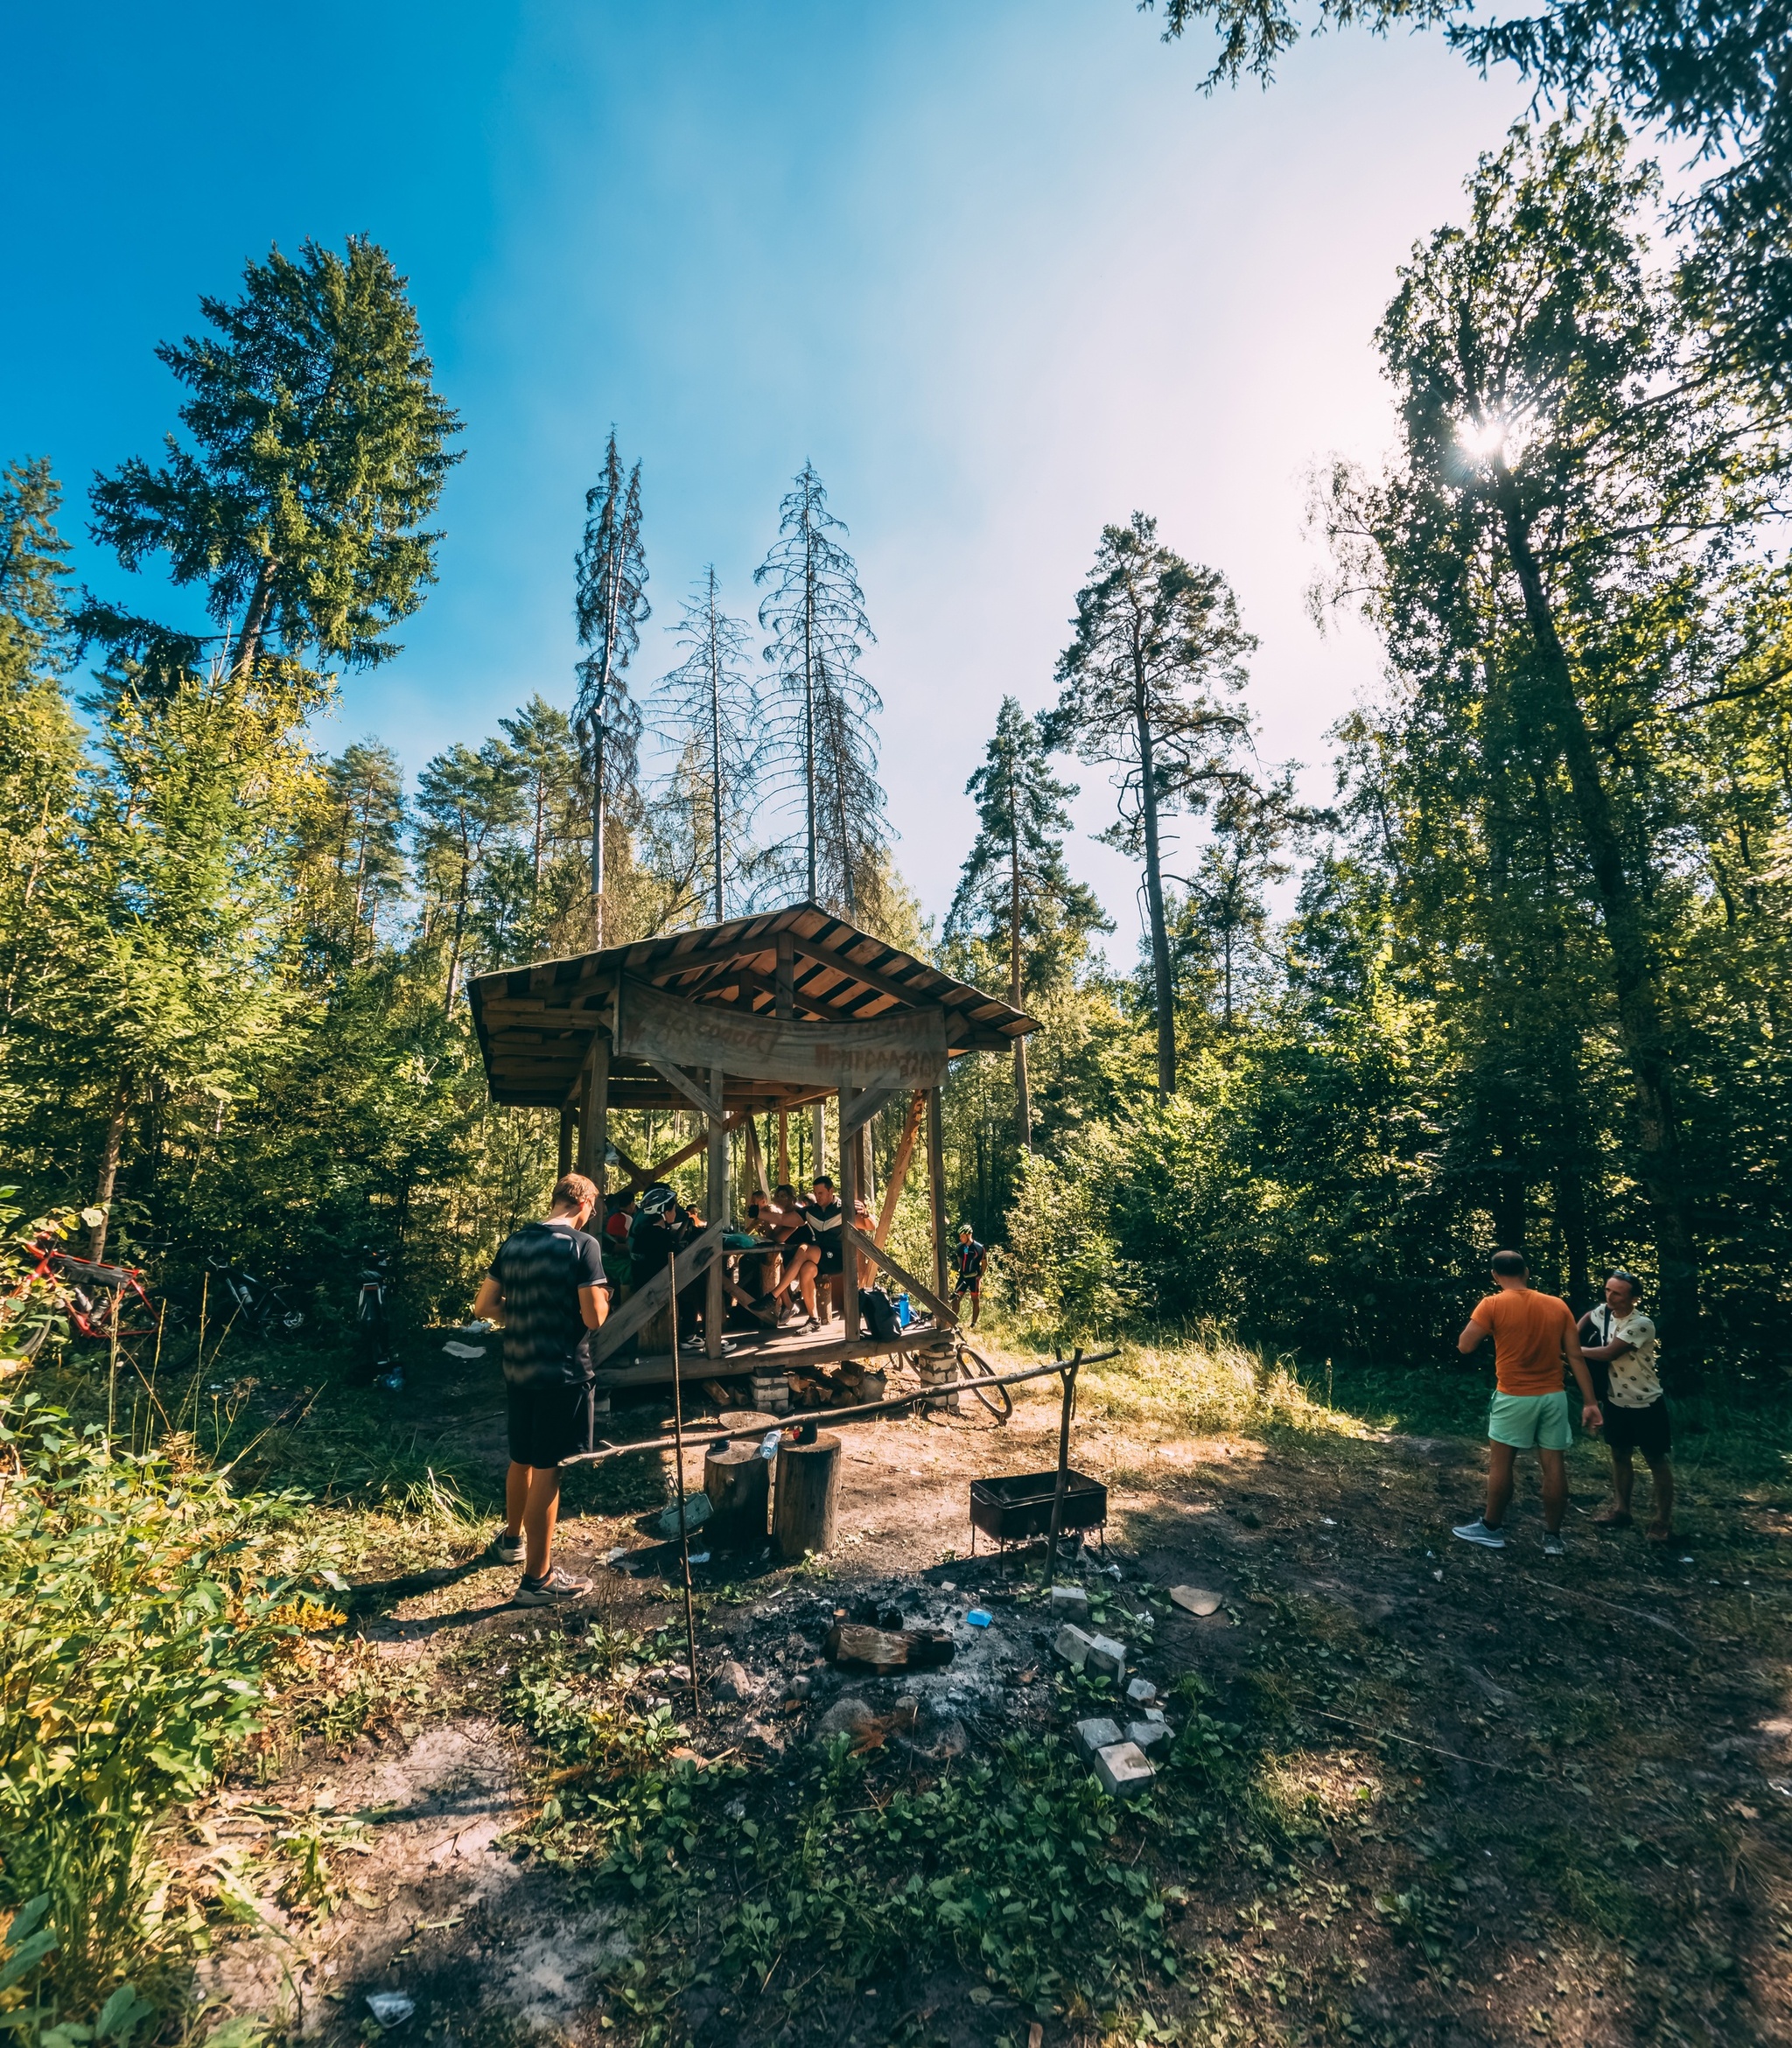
[905, 1314]
[768, 1449]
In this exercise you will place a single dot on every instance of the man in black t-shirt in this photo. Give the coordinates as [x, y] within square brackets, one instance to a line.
[825, 1216]
[967, 1257]
[548, 1288]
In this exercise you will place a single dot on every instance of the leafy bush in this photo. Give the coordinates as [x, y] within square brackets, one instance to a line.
[134, 1657]
[33, 1309]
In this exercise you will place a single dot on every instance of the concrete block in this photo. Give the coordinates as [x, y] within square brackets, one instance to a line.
[1147, 1735]
[1073, 1646]
[1104, 1658]
[1098, 1733]
[1124, 1769]
[1069, 1603]
[1141, 1692]
[1152, 1714]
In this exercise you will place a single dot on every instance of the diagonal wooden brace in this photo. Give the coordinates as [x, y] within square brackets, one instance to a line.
[865, 1105]
[693, 1091]
[652, 1296]
[879, 1256]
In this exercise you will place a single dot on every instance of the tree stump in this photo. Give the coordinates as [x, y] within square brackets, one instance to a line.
[738, 1483]
[809, 1493]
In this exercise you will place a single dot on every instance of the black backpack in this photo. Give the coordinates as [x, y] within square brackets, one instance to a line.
[879, 1313]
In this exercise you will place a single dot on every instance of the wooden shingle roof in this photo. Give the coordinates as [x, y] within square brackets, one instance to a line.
[535, 1023]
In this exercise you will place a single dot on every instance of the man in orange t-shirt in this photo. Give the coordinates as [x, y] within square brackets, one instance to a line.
[1532, 1334]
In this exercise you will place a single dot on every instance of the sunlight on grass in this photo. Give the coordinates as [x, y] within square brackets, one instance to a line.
[1208, 1387]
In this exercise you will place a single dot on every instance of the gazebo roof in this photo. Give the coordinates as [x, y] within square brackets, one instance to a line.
[535, 1023]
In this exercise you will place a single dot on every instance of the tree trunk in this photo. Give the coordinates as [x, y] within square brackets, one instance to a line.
[598, 825]
[454, 952]
[108, 1172]
[1643, 1021]
[1022, 1103]
[256, 618]
[1154, 903]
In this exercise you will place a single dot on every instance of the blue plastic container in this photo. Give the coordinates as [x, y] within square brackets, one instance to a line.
[905, 1314]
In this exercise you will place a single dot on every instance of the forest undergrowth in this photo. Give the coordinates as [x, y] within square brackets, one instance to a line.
[1412, 1795]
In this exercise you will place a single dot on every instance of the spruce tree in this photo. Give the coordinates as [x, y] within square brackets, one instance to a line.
[822, 738]
[1014, 890]
[364, 788]
[317, 446]
[468, 802]
[1159, 650]
[710, 707]
[610, 607]
[545, 753]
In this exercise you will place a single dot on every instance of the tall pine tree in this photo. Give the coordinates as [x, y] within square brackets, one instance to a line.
[823, 738]
[1014, 891]
[711, 709]
[610, 607]
[318, 448]
[1159, 650]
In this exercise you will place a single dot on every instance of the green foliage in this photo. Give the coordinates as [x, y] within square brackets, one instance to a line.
[318, 446]
[135, 1648]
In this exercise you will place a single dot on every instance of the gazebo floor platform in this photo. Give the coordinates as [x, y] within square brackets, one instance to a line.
[785, 1349]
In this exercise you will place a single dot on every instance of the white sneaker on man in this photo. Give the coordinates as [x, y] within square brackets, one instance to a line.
[1478, 1532]
[554, 1591]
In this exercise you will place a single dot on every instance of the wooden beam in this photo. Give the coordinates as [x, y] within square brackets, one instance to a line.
[867, 1104]
[898, 1170]
[650, 1372]
[783, 990]
[858, 1241]
[641, 1177]
[936, 1184]
[651, 1297]
[873, 977]
[852, 1100]
[708, 1105]
[565, 1165]
[594, 1117]
[720, 1215]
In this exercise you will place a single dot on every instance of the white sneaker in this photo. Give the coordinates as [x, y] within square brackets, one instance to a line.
[553, 1591]
[1554, 1547]
[505, 1549]
[1478, 1532]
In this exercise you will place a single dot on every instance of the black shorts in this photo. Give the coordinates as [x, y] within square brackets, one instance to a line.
[548, 1422]
[833, 1258]
[1640, 1429]
[968, 1287]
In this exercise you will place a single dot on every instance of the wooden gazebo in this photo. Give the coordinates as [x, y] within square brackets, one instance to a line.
[776, 1011]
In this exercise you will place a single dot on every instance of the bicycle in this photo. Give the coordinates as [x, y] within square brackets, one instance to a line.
[102, 1302]
[258, 1303]
[370, 1318]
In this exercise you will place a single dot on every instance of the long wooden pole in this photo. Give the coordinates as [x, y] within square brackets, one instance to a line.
[715, 1304]
[936, 1185]
[898, 1167]
[849, 1202]
[1062, 1486]
[678, 1452]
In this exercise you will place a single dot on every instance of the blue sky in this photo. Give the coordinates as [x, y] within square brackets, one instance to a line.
[998, 269]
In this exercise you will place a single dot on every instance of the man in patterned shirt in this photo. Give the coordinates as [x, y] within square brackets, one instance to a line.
[1618, 1339]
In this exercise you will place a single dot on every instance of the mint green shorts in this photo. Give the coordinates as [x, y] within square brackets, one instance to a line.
[1531, 1421]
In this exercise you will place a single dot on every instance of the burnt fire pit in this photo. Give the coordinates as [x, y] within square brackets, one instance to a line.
[1018, 1508]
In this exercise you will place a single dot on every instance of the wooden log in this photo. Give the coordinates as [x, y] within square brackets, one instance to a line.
[786, 994]
[738, 1483]
[899, 1168]
[859, 1648]
[807, 1496]
[565, 1165]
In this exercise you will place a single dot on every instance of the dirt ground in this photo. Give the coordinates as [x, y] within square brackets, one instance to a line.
[1491, 1798]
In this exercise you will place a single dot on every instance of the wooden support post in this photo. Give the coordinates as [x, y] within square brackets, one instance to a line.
[566, 1124]
[784, 1001]
[849, 1197]
[808, 1495]
[715, 1306]
[783, 1147]
[936, 1185]
[594, 1114]
[819, 1164]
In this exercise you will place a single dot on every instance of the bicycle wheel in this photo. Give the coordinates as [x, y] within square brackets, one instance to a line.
[997, 1400]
